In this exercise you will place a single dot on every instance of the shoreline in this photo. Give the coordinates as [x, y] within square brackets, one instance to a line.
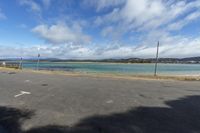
[88, 62]
[110, 75]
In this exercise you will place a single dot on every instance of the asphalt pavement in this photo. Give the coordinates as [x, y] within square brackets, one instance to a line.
[52, 103]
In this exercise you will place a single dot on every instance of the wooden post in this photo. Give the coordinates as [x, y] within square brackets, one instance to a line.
[156, 63]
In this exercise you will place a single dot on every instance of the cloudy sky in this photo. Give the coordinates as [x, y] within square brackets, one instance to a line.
[96, 29]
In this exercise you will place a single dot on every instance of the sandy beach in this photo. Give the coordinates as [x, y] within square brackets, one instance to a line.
[56, 102]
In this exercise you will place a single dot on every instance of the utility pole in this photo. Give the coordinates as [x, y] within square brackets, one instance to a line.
[156, 63]
[21, 59]
[21, 64]
[38, 61]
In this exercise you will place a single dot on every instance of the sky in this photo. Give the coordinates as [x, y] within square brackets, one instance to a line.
[99, 29]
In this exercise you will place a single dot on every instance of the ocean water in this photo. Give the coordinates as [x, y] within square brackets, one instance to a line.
[118, 68]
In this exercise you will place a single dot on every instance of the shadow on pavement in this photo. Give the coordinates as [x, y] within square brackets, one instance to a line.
[182, 116]
[11, 119]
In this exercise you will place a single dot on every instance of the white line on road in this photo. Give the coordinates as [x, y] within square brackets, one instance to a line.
[109, 101]
[27, 81]
[22, 93]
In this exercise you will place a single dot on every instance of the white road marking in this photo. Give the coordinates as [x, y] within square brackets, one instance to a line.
[22, 93]
[109, 101]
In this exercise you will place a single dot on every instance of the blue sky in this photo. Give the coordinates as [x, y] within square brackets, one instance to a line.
[96, 29]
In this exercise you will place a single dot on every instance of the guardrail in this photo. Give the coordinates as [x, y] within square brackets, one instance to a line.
[10, 65]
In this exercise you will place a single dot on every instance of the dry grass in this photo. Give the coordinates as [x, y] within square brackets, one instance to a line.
[115, 76]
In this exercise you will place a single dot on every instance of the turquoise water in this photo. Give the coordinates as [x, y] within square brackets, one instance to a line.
[146, 69]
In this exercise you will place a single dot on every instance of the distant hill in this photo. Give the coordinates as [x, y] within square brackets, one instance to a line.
[193, 60]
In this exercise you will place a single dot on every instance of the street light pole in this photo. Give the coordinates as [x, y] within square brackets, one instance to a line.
[156, 63]
[21, 63]
[21, 58]
[38, 61]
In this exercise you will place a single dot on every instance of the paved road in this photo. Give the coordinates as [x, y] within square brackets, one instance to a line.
[45, 103]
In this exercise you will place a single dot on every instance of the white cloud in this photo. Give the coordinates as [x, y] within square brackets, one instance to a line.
[181, 23]
[61, 33]
[182, 47]
[23, 26]
[142, 11]
[46, 3]
[31, 4]
[107, 31]
[145, 15]
[2, 15]
[153, 20]
[102, 4]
